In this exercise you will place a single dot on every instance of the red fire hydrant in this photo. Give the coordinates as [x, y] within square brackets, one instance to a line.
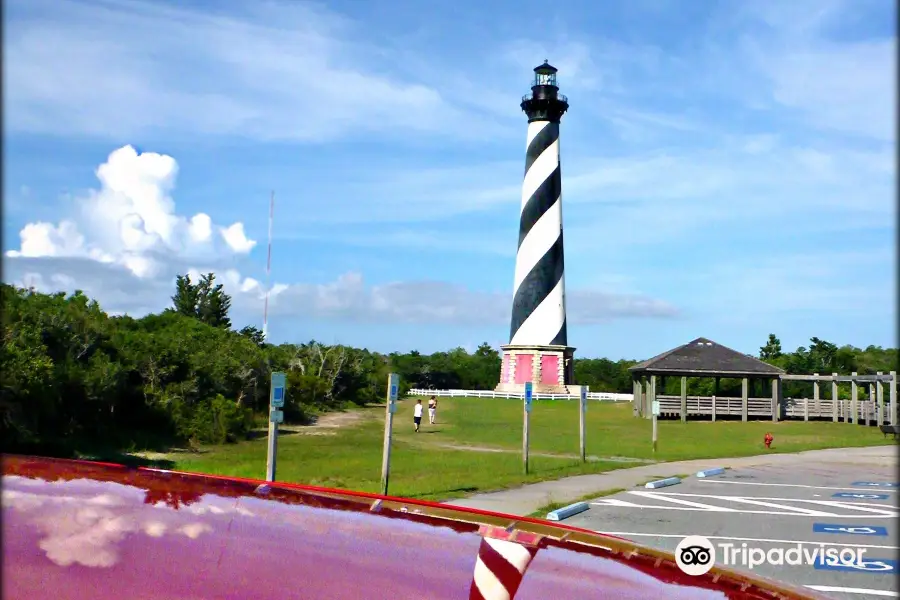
[768, 440]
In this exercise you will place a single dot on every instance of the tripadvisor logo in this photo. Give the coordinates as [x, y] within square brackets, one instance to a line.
[696, 555]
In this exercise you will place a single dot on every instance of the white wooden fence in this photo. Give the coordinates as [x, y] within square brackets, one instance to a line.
[604, 396]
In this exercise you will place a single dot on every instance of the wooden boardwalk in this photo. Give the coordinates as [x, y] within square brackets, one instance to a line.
[867, 411]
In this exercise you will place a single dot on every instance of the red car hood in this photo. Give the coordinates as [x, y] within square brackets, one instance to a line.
[85, 530]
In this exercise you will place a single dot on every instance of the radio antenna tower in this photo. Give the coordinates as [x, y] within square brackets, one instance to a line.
[268, 268]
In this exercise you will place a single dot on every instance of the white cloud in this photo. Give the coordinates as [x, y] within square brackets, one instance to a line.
[276, 71]
[348, 298]
[795, 283]
[131, 221]
[790, 53]
[841, 87]
[87, 530]
[432, 302]
[126, 243]
[236, 239]
[608, 199]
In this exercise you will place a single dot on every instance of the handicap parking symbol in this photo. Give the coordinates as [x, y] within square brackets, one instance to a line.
[849, 529]
[860, 496]
[867, 565]
[883, 484]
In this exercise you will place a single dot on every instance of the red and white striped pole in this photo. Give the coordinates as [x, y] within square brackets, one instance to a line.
[503, 558]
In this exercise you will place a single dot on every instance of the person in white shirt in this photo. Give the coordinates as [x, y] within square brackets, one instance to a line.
[432, 409]
[417, 414]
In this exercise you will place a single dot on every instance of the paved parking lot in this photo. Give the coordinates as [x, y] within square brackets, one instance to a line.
[835, 505]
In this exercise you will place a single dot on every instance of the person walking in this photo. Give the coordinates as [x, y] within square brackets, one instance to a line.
[417, 413]
[432, 409]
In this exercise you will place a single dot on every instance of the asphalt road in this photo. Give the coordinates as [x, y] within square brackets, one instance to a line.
[851, 506]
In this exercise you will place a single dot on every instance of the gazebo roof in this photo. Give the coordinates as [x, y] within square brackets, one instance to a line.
[705, 358]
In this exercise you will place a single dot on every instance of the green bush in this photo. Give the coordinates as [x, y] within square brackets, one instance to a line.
[214, 421]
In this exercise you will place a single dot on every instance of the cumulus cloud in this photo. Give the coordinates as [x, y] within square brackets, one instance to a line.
[87, 530]
[130, 220]
[124, 243]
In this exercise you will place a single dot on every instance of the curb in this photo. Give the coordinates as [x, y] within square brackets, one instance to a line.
[567, 511]
[711, 472]
[662, 483]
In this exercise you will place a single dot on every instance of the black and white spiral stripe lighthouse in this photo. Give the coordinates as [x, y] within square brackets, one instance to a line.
[538, 348]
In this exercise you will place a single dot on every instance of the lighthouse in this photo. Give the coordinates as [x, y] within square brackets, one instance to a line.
[538, 349]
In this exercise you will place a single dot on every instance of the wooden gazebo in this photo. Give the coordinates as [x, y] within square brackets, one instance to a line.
[705, 358]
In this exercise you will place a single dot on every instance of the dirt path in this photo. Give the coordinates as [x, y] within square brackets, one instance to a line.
[329, 423]
[325, 424]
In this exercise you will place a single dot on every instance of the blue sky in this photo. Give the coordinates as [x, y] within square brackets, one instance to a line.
[728, 167]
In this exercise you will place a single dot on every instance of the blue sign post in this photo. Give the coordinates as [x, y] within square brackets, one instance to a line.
[528, 395]
[276, 415]
[393, 392]
[582, 400]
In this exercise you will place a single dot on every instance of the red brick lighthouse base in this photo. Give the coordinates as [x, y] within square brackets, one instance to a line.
[549, 368]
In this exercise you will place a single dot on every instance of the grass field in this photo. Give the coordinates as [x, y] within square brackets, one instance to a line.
[476, 446]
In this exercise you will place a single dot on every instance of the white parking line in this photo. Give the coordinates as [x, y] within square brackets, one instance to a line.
[797, 485]
[623, 504]
[796, 509]
[878, 510]
[668, 498]
[869, 507]
[843, 504]
[852, 510]
[849, 590]
[626, 534]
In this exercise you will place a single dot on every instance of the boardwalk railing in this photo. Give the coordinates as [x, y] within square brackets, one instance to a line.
[867, 411]
[670, 406]
[603, 396]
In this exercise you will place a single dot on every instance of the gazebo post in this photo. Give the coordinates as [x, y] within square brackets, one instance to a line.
[683, 399]
[776, 384]
[817, 409]
[636, 394]
[645, 395]
[834, 397]
[745, 385]
[892, 396]
[879, 393]
[870, 407]
[714, 396]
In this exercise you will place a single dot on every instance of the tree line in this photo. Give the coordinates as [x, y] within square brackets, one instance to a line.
[74, 375]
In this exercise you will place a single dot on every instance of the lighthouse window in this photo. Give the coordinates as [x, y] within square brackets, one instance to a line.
[545, 79]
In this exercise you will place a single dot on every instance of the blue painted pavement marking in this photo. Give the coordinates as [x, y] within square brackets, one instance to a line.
[868, 565]
[849, 529]
[876, 484]
[860, 496]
